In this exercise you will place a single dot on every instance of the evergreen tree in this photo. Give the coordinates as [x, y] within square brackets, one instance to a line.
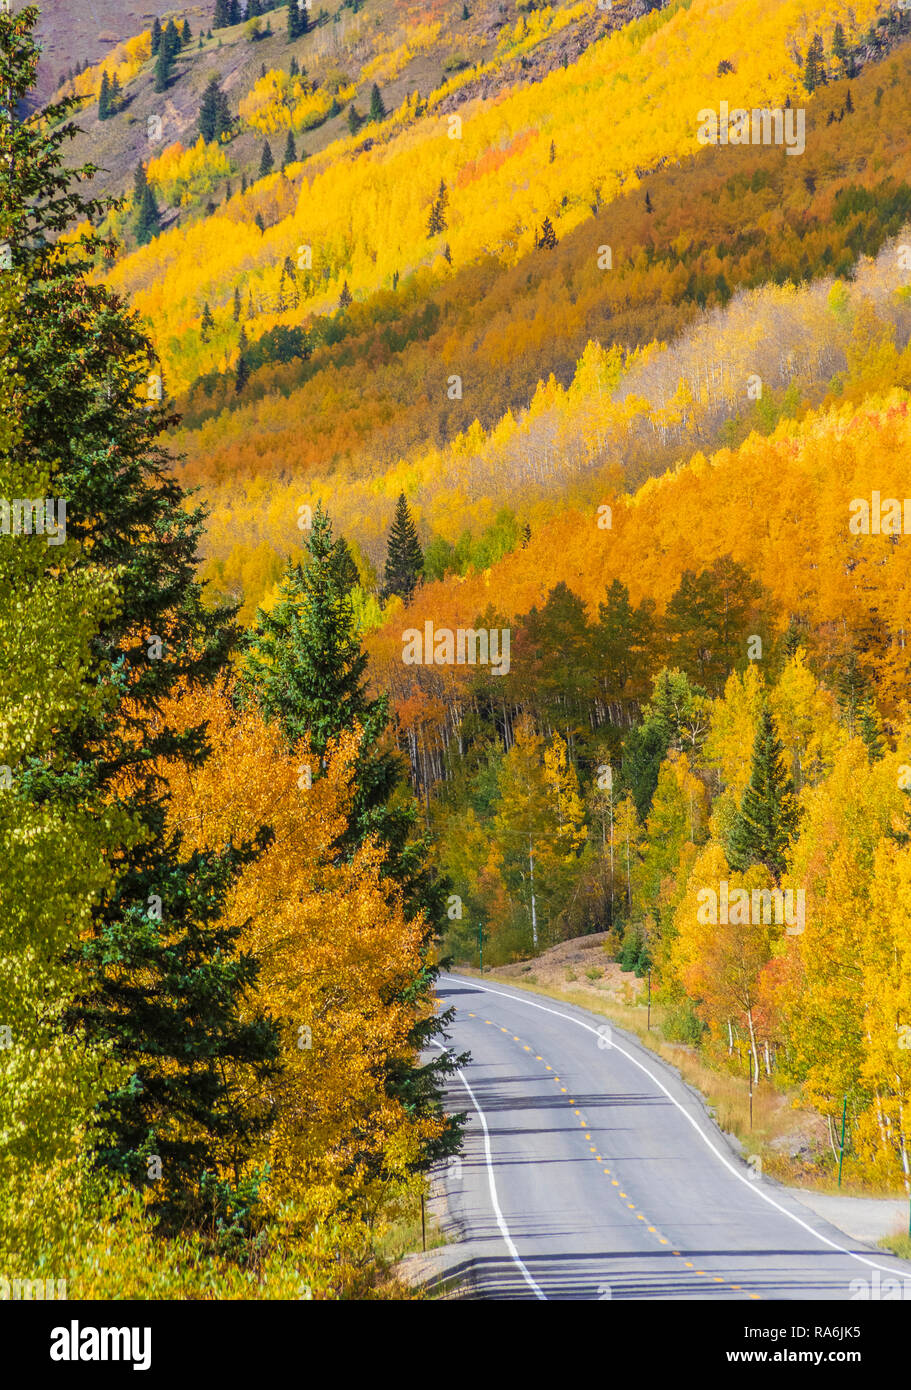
[814, 74]
[214, 118]
[162, 68]
[297, 21]
[207, 323]
[236, 303]
[155, 953]
[436, 221]
[344, 298]
[104, 98]
[404, 557]
[346, 574]
[115, 95]
[266, 162]
[769, 813]
[304, 669]
[548, 237]
[185, 34]
[648, 202]
[234, 12]
[869, 726]
[377, 109]
[354, 119]
[148, 220]
[170, 40]
[294, 69]
[553, 153]
[465, 14]
[156, 36]
[839, 46]
[242, 370]
[222, 18]
[290, 155]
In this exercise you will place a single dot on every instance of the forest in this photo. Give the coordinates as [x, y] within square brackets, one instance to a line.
[427, 319]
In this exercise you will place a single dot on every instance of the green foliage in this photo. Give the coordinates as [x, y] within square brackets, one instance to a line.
[769, 813]
[89, 427]
[404, 557]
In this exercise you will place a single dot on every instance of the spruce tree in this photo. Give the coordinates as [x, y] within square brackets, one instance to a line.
[869, 726]
[548, 237]
[185, 34]
[104, 98]
[769, 813]
[115, 96]
[354, 119]
[242, 370]
[207, 323]
[236, 303]
[344, 299]
[377, 109]
[221, 19]
[155, 954]
[148, 220]
[170, 40]
[162, 69]
[295, 25]
[266, 162]
[404, 557]
[290, 155]
[156, 36]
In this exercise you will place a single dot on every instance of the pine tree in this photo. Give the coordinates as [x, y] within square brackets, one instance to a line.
[296, 21]
[234, 12]
[553, 153]
[207, 323]
[377, 109]
[236, 303]
[242, 370]
[221, 19]
[89, 423]
[404, 557]
[162, 69]
[294, 69]
[104, 98]
[148, 220]
[266, 162]
[769, 814]
[214, 118]
[115, 96]
[869, 726]
[156, 36]
[354, 119]
[304, 669]
[290, 155]
[648, 202]
[170, 40]
[436, 221]
[548, 237]
[344, 299]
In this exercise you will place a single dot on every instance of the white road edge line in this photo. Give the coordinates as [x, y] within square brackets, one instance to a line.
[501, 1220]
[751, 1184]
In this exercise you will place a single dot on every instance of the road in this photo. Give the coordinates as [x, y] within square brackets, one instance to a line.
[591, 1171]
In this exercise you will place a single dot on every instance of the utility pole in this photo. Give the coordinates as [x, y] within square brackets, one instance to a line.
[481, 945]
[841, 1151]
[648, 1024]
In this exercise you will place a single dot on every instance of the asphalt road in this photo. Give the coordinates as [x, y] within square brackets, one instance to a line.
[591, 1171]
